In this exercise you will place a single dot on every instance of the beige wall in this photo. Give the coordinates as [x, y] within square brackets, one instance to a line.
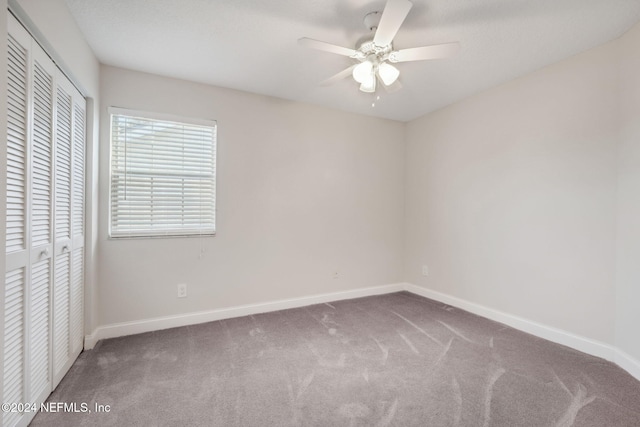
[628, 220]
[511, 196]
[302, 192]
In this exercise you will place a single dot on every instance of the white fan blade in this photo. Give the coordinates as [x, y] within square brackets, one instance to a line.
[341, 75]
[327, 47]
[425, 52]
[392, 18]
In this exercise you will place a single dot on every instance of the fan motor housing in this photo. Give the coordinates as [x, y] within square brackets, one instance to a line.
[371, 20]
[368, 47]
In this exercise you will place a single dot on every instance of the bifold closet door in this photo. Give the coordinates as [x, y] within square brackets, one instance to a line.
[27, 373]
[44, 238]
[17, 259]
[77, 224]
[68, 228]
[40, 230]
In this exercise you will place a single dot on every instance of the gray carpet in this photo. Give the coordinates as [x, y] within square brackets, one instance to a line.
[396, 359]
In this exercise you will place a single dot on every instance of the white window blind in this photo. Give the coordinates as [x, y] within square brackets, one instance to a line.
[162, 175]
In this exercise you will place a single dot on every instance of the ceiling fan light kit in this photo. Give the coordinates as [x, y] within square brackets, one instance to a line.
[369, 85]
[363, 71]
[376, 49]
[388, 73]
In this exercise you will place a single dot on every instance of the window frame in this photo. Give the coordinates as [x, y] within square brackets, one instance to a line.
[168, 118]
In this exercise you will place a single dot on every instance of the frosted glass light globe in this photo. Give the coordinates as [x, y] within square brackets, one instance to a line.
[362, 71]
[388, 73]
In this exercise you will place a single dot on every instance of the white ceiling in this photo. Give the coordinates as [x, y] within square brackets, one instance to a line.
[251, 45]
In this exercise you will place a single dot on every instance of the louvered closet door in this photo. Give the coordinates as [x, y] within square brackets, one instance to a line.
[27, 375]
[77, 225]
[15, 286]
[62, 230]
[41, 230]
[68, 227]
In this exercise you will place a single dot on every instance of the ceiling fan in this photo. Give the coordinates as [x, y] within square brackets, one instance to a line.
[375, 52]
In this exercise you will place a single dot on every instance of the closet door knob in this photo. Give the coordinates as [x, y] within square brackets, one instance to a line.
[65, 248]
[44, 253]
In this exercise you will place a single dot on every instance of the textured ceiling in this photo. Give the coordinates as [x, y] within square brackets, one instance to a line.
[251, 45]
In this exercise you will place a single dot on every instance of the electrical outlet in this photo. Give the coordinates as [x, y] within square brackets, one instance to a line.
[425, 270]
[182, 290]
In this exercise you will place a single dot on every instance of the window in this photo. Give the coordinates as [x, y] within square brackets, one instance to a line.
[162, 175]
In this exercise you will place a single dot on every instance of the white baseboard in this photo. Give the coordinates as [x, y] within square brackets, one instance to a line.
[586, 345]
[628, 363]
[166, 322]
[550, 333]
